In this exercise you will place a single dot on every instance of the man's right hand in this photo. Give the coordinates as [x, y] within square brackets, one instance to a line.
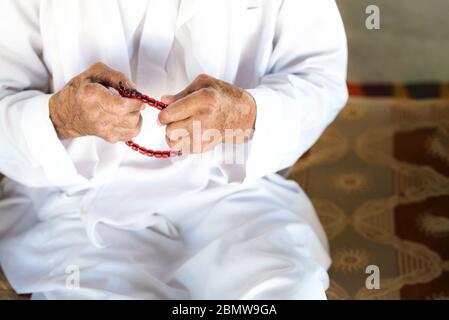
[86, 107]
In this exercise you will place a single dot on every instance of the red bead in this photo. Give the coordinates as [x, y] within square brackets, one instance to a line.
[134, 94]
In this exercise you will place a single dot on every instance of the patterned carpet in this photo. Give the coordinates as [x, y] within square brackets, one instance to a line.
[379, 179]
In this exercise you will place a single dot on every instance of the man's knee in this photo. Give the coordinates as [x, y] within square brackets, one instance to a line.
[276, 263]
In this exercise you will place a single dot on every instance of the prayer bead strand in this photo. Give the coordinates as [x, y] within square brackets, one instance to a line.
[134, 94]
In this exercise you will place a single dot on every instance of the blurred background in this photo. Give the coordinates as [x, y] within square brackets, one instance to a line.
[412, 44]
[379, 175]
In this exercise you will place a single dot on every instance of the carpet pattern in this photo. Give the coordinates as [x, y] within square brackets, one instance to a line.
[379, 180]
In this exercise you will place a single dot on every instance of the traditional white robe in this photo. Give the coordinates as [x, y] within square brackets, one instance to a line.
[196, 227]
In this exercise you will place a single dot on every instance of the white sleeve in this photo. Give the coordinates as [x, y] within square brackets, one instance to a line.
[305, 87]
[30, 151]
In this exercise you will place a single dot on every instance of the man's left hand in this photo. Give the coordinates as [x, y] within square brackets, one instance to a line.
[222, 112]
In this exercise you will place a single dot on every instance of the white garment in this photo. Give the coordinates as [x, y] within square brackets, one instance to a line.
[151, 228]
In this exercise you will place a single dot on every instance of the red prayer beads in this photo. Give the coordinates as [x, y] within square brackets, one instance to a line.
[134, 94]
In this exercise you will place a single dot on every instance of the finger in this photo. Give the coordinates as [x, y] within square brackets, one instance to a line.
[114, 104]
[178, 135]
[96, 94]
[201, 81]
[181, 109]
[126, 134]
[113, 91]
[103, 74]
[179, 129]
[184, 93]
[168, 99]
[181, 144]
[132, 105]
[131, 121]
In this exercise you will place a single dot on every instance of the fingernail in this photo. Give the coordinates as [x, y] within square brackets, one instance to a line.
[130, 84]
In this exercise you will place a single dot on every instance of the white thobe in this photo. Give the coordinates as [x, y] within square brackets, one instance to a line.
[127, 226]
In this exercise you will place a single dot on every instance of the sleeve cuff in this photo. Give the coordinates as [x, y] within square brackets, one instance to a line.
[45, 148]
[264, 157]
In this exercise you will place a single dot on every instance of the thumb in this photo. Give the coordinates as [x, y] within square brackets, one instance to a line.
[103, 74]
[167, 99]
[191, 88]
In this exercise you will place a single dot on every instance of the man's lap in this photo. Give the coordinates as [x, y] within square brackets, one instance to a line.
[247, 245]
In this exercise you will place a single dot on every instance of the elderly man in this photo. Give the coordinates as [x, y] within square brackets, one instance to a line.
[82, 215]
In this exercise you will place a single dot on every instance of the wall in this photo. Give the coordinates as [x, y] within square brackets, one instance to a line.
[412, 44]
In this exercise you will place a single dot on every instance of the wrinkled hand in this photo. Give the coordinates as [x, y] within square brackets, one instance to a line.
[86, 107]
[219, 111]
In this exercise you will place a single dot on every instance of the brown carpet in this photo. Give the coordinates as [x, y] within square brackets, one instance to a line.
[379, 179]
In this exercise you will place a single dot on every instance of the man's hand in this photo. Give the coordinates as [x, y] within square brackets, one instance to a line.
[86, 107]
[226, 114]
